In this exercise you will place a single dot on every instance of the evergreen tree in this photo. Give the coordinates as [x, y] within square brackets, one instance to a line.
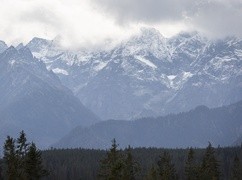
[10, 159]
[22, 162]
[131, 168]
[111, 167]
[33, 164]
[1, 170]
[166, 168]
[210, 166]
[152, 174]
[236, 169]
[21, 150]
[190, 167]
[22, 145]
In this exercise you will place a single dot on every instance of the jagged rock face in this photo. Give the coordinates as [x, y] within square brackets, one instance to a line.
[149, 75]
[34, 100]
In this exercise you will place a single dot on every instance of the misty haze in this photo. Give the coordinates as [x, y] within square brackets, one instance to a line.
[105, 89]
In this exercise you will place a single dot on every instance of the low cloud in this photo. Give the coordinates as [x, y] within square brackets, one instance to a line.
[75, 22]
[91, 23]
[214, 17]
[219, 18]
[147, 11]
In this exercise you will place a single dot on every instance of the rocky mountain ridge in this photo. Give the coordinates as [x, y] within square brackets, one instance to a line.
[148, 74]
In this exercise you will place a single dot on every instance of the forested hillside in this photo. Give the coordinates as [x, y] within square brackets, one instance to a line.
[221, 126]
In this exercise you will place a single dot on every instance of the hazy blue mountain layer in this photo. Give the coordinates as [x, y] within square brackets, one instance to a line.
[220, 126]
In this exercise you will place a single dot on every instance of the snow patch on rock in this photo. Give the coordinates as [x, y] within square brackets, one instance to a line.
[146, 61]
[60, 71]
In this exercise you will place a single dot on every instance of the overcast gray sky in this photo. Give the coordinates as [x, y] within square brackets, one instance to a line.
[89, 22]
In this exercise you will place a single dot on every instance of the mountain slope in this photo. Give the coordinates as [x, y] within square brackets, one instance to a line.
[221, 126]
[3, 46]
[34, 100]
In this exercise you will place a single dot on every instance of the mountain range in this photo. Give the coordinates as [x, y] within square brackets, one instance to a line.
[48, 90]
[148, 74]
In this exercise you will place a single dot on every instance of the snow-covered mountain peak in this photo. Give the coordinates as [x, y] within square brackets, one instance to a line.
[147, 36]
[39, 45]
[148, 42]
[150, 33]
[10, 51]
[3, 43]
[184, 37]
[23, 53]
[19, 46]
[39, 42]
[15, 58]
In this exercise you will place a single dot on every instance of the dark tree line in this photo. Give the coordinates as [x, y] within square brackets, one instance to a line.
[144, 163]
[21, 160]
[122, 166]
